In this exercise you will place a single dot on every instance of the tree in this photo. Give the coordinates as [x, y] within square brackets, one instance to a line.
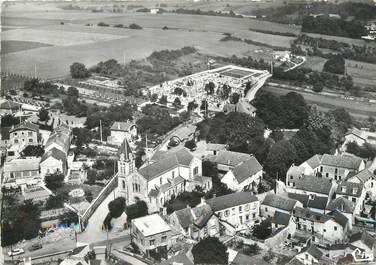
[163, 100]
[9, 120]
[263, 230]
[177, 103]
[43, 115]
[280, 157]
[210, 251]
[234, 99]
[72, 92]
[191, 106]
[136, 210]
[78, 70]
[276, 135]
[33, 150]
[209, 169]
[69, 218]
[154, 97]
[54, 181]
[204, 105]
[117, 207]
[190, 144]
[335, 65]
[318, 87]
[247, 88]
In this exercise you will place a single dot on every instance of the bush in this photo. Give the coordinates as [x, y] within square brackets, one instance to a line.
[117, 207]
[54, 181]
[263, 230]
[134, 26]
[136, 210]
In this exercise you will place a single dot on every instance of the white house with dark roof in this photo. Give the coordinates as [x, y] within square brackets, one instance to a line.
[308, 256]
[365, 246]
[195, 223]
[122, 130]
[227, 160]
[282, 220]
[359, 137]
[273, 203]
[343, 205]
[335, 167]
[213, 149]
[53, 161]
[244, 176]
[311, 201]
[354, 192]
[312, 185]
[60, 139]
[25, 133]
[367, 179]
[157, 181]
[324, 228]
[240, 209]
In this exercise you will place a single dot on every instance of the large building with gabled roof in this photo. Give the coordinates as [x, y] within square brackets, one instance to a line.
[165, 175]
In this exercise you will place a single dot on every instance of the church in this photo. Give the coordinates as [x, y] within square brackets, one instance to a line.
[166, 174]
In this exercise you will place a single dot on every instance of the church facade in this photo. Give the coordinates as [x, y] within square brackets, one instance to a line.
[166, 174]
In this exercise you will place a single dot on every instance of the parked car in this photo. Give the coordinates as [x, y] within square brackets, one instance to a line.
[35, 247]
[15, 252]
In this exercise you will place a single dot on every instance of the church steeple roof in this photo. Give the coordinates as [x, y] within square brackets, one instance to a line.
[125, 149]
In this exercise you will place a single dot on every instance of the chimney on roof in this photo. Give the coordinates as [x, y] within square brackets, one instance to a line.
[189, 207]
[203, 201]
[214, 195]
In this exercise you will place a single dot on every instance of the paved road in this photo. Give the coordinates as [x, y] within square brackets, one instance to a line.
[360, 109]
[128, 258]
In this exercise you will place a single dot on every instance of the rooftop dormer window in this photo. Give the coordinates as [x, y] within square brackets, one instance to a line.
[343, 189]
[355, 191]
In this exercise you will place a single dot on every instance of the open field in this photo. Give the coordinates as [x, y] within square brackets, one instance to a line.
[315, 63]
[355, 108]
[16, 46]
[56, 37]
[74, 41]
[364, 74]
[358, 42]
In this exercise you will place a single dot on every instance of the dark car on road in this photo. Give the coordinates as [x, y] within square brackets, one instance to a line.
[35, 247]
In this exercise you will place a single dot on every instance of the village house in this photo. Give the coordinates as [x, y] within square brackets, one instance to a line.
[312, 185]
[195, 223]
[367, 179]
[240, 209]
[273, 203]
[21, 172]
[122, 130]
[335, 167]
[359, 137]
[343, 205]
[9, 107]
[227, 160]
[282, 220]
[244, 176]
[365, 246]
[309, 255]
[213, 149]
[53, 161]
[171, 173]
[311, 201]
[323, 228]
[56, 157]
[25, 133]
[151, 233]
[354, 192]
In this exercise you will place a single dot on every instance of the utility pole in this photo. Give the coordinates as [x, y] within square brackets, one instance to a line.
[100, 129]
[35, 70]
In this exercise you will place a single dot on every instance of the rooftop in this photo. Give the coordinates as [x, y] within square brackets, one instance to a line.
[231, 200]
[168, 161]
[281, 218]
[343, 161]
[313, 201]
[279, 202]
[122, 126]
[19, 164]
[25, 126]
[151, 224]
[246, 169]
[349, 189]
[314, 184]
[230, 158]
[215, 147]
[341, 204]
[55, 153]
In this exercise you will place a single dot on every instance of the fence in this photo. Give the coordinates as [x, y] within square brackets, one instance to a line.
[111, 185]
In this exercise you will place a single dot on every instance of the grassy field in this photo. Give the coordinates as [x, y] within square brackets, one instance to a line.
[315, 63]
[16, 46]
[364, 74]
[74, 41]
[358, 42]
